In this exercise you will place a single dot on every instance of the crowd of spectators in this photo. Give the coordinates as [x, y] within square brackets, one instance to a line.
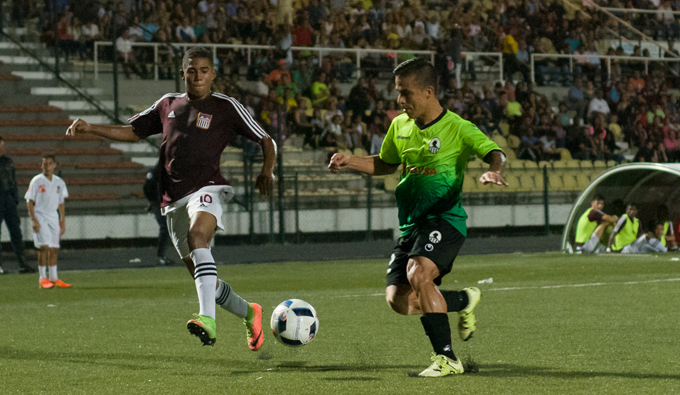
[608, 102]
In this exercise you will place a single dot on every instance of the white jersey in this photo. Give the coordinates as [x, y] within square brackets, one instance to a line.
[46, 194]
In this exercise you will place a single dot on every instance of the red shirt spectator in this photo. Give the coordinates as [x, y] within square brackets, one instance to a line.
[276, 74]
[302, 35]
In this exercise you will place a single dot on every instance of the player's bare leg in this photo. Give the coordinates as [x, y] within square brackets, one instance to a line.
[52, 266]
[44, 282]
[421, 273]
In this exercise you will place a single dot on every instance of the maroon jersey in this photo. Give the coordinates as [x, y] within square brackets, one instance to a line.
[195, 132]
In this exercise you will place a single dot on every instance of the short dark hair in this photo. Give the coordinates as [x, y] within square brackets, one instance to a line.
[631, 204]
[598, 197]
[1, 139]
[425, 73]
[50, 156]
[196, 53]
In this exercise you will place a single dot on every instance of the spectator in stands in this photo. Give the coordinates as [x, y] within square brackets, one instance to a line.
[286, 83]
[647, 153]
[332, 134]
[480, 116]
[276, 74]
[530, 147]
[563, 118]
[320, 92]
[550, 149]
[598, 105]
[303, 124]
[166, 56]
[185, 32]
[555, 69]
[615, 128]
[378, 134]
[127, 56]
[586, 149]
[637, 82]
[576, 98]
[9, 198]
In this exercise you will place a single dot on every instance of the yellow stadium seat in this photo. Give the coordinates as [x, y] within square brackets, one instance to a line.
[538, 180]
[611, 163]
[560, 164]
[500, 140]
[513, 183]
[513, 141]
[569, 182]
[543, 164]
[391, 181]
[510, 154]
[573, 164]
[469, 184]
[555, 182]
[527, 183]
[582, 180]
[515, 165]
[566, 155]
[530, 165]
[360, 152]
[505, 128]
[600, 164]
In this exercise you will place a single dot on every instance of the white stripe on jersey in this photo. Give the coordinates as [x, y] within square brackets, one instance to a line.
[254, 127]
[148, 110]
[620, 223]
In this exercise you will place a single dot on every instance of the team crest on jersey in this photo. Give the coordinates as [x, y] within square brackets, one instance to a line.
[203, 121]
[58, 189]
[435, 237]
[435, 145]
[42, 189]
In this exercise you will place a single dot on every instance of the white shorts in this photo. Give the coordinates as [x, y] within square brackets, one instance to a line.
[49, 231]
[592, 246]
[210, 199]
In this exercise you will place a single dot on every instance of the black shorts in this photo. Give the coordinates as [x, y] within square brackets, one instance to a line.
[435, 239]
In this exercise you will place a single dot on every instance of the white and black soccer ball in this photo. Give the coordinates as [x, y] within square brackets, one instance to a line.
[294, 322]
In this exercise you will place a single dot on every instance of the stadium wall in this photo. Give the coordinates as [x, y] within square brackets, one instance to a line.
[92, 227]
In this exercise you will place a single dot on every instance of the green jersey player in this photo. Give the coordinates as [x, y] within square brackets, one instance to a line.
[434, 145]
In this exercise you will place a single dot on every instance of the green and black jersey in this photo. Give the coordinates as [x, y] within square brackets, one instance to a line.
[435, 158]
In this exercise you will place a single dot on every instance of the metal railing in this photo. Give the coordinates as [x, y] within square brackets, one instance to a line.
[321, 52]
[609, 58]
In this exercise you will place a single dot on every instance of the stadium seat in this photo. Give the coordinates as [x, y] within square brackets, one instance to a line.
[569, 182]
[538, 180]
[527, 183]
[583, 180]
[573, 164]
[513, 183]
[513, 141]
[509, 154]
[566, 155]
[500, 140]
[516, 165]
[360, 152]
[392, 180]
[555, 182]
[611, 163]
[543, 164]
[599, 165]
[469, 184]
[560, 164]
[476, 164]
[530, 165]
[505, 128]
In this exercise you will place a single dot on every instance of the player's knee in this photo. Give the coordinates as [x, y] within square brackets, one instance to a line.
[198, 238]
[418, 275]
[396, 304]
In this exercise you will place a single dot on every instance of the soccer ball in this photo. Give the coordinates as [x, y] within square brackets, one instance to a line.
[294, 322]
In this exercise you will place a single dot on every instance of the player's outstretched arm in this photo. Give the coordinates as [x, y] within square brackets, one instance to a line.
[118, 133]
[365, 164]
[496, 161]
[265, 180]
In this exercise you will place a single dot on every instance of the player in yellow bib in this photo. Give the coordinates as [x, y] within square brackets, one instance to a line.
[668, 239]
[433, 145]
[591, 227]
[626, 231]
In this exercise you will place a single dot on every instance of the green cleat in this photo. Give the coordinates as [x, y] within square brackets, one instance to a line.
[203, 327]
[466, 317]
[442, 366]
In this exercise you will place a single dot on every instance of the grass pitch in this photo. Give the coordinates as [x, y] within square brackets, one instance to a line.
[549, 323]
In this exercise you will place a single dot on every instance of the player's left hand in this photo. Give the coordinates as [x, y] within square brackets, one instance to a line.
[62, 228]
[265, 183]
[492, 177]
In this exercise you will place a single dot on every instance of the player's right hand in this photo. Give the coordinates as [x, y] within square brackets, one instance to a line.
[36, 226]
[78, 126]
[338, 162]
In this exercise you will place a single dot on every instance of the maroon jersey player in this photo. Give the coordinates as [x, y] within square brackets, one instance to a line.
[196, 127]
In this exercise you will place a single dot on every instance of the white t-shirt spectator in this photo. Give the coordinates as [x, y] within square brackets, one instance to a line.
[205, 7]
[376, 143]
[90, 31]
[136, 33]
[547, 144]
[46, 194]
[187, 30]
[433, 30]
[598, 105]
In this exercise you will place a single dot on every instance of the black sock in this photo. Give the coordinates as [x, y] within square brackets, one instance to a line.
[437, 328]
[455, 300]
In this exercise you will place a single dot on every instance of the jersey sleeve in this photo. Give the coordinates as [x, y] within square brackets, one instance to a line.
[595, 216]
[621, 222]
[245, 125]
[147, 122]
[31, 192]
[480, 144]
[670, 228]
[388, 150]
[63, 192]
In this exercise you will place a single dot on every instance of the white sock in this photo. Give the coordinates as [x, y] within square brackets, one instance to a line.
[205, 277]
[43, 271]
[53, 273]
[230, 300]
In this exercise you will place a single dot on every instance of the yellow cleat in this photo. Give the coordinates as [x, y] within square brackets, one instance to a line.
[466, 317]
[442, 366]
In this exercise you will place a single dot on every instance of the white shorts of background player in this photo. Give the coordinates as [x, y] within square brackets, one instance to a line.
[210, 199]
[49, 231]
[644, 246]
[592, 246]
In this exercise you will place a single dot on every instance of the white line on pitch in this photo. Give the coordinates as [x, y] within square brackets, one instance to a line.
[544, 287]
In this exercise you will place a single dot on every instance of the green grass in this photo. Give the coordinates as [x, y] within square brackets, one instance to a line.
[123, 331]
